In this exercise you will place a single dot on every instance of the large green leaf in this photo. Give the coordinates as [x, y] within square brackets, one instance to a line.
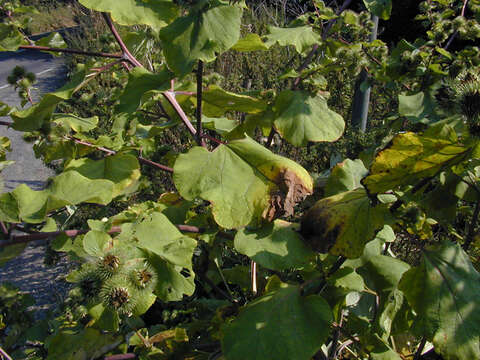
[410, 158]
[251, 42]
[345, 176]
[244, 182]
[419, 107]
[342, 224]
[140, 82]
[158, 235]
[301, 118]
[302, 37]
[122, 170]
[216, 102]
[10, 37]
[282, 324]
[276, 246]
[76, 123]
[208, 29]
[34, 117]
[155, 13]
[443, 290]
[381, 8]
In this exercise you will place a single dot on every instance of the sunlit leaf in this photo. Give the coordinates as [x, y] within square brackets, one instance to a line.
[345, 176]
[302, 37]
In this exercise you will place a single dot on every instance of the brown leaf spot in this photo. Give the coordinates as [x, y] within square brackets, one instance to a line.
[291, 191]
[317, 229]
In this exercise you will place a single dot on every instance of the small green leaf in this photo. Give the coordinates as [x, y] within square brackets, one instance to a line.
[419, 107]
[10, 37]
[345, 176]
[443, 290]
[202, 34]
[342, 224]
[276, 246]
[156, 14]
[54, 40]
[281, 325]
[251, 42]
[381, 8]
[95, 242]
[302, 37]
[301, 118]
[346, 278]
[76, 123]
[140, 83]
[216, 102]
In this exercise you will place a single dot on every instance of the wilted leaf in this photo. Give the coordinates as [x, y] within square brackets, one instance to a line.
[244, 182]
[342, 224]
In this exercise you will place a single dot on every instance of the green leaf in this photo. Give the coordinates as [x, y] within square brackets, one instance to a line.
[8, 253]
[419, 107]
[104, 318]
[220, 125]
[156, 14]
[140, 83]
[410, 158]
[301, 118]
[54, 40]
[10, 37]
[200, 35]
[122, 170]
[381, 8]
[158, 235]
[34, 117]
[302, 37]
[347, 279]
[216, 102]
[95, 242]
[244, 182]
[86, 344]
[443, 290]
[251, 42]
[172, 285]
[276, 246]
[76, 123]
[342, 224]
[345, 176]
[280, 325]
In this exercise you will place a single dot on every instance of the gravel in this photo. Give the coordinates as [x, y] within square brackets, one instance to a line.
[27, 271]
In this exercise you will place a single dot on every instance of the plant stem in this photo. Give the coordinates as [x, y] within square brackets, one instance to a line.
[472, 226]
[121, 357]
[126, 53]
[71, 51]
[253, 273]
[20, 239]
[141, 159]
[454, 35]
[418, 354]
[170, 96]
[200, 140]
[4, 355]
[270, 137]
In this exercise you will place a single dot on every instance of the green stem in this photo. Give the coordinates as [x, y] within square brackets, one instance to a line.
[199, 136]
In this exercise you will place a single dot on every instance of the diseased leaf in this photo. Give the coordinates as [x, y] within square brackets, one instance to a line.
[410, 158]
[205, 31]
[244, 181]
[342, 224]
[276, 246]
[281, 325]
[300, 118]
[156, 14]
[443, 290]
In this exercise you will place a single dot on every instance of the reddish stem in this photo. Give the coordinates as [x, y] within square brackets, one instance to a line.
[120, 42]
[200, 140]
[71, 51]
[170, 96]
